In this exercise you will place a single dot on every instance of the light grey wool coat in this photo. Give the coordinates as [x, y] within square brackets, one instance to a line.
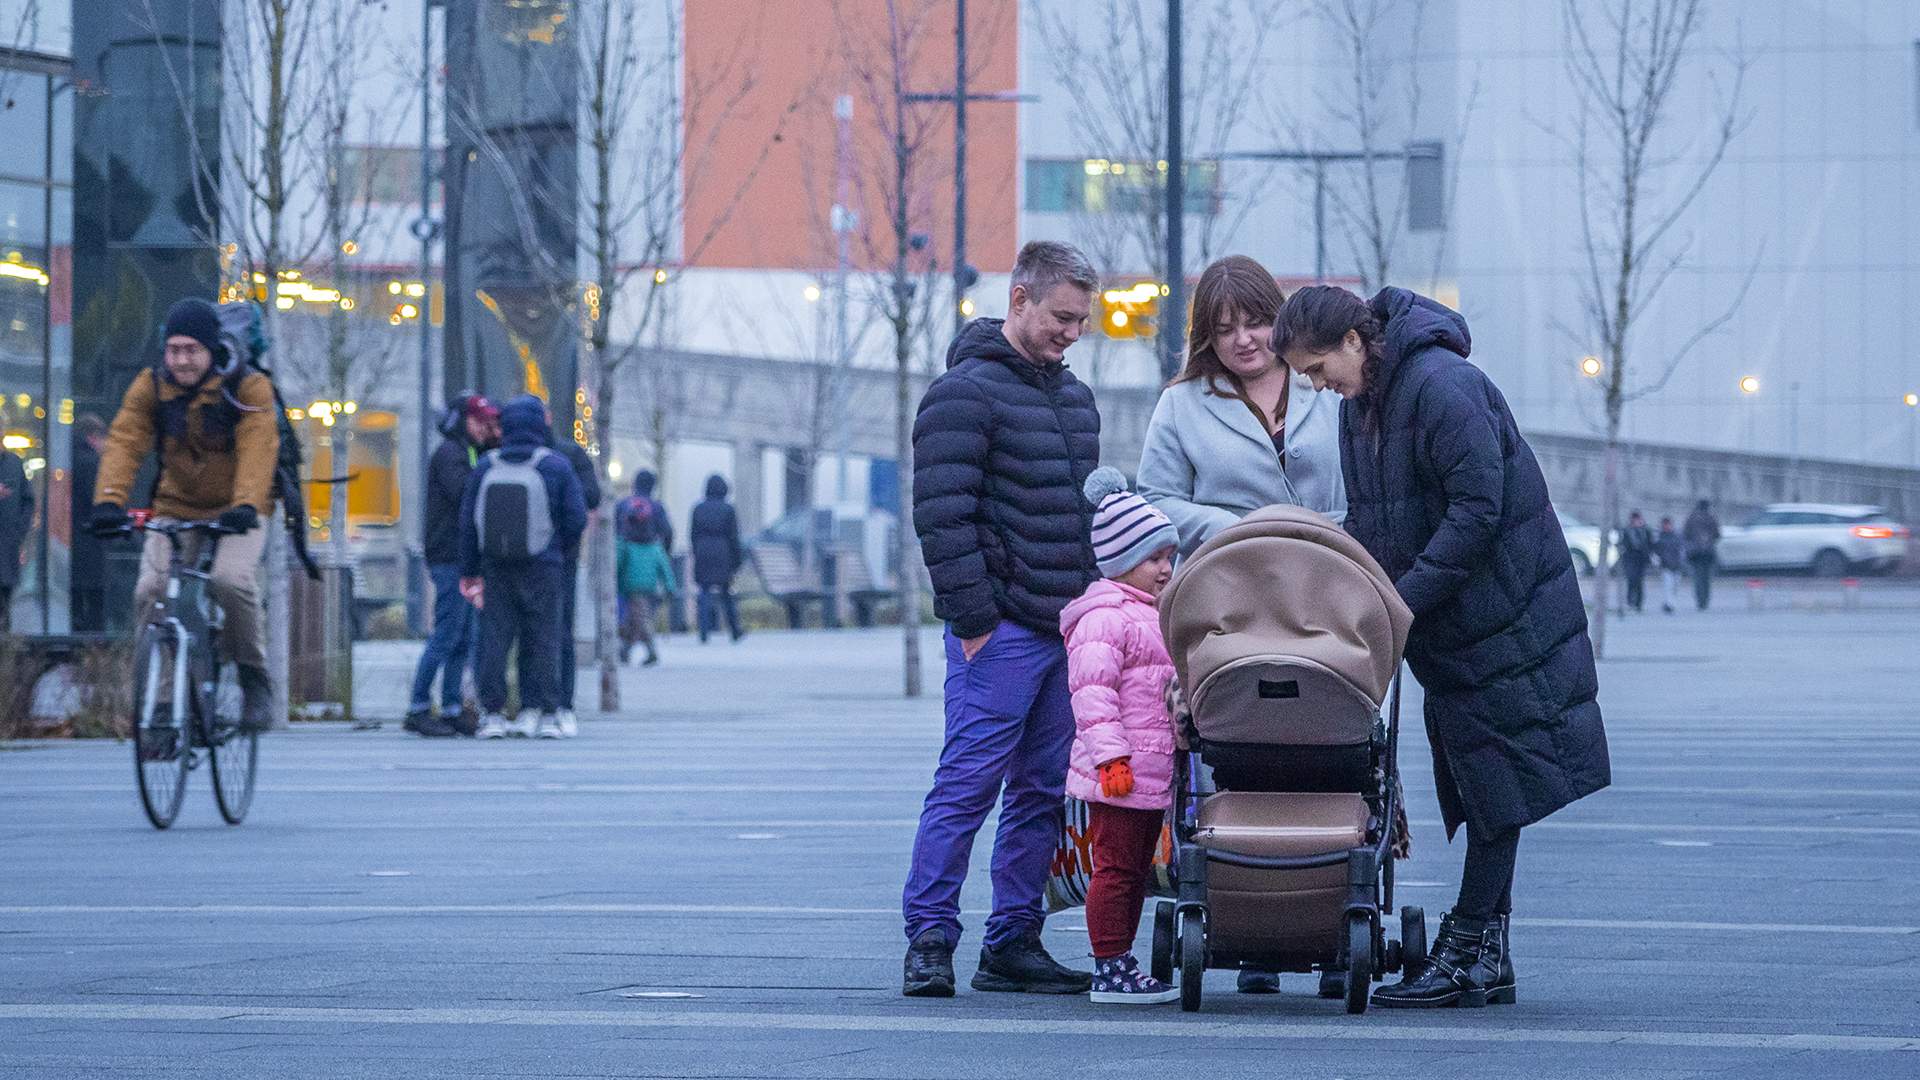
[1207, 463]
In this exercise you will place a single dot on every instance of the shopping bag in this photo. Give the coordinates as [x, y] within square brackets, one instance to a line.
[1073, 861]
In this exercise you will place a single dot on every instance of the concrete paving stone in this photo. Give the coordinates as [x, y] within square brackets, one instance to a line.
[580, 870]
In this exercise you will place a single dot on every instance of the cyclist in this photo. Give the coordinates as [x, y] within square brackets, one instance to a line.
[212, 421]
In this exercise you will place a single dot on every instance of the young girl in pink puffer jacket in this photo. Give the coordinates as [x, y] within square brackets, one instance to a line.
[1122, 761]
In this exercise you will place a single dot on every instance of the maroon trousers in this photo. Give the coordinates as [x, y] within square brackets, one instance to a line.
[1123, 843]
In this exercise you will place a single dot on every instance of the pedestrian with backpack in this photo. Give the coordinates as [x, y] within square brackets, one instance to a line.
[645, 571]
[522, 512]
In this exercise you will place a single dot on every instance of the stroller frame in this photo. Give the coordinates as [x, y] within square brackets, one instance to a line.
[1181, 937]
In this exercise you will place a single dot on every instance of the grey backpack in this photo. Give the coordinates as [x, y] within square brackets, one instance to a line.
[512, 511]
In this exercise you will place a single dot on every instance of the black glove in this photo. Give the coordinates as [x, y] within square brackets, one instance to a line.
[109, 519]
[240, 519]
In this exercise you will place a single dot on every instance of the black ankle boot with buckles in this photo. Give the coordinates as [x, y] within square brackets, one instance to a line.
[1468, 967]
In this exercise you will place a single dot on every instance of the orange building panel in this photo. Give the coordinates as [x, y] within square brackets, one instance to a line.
[760, 158]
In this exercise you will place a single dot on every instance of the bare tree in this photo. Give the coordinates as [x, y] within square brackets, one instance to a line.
[897, 238]
[1625, 59]
[1119, 53]
[250, 191]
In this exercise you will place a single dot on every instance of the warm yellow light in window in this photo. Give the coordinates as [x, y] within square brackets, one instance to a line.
[1095, 166]
[346, 303]
[351, 407]
[23, 400]
[393, 287]
[966, 307]
[1118, 319]
[39, 413]
[284, 303]
[409, 311]
[17, 442]
[296, 414]
[416, 289]
[659, 277]
[350, 248]
[1117, 168]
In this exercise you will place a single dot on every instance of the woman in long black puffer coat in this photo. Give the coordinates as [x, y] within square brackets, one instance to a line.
[1447, 496]
[717, 556]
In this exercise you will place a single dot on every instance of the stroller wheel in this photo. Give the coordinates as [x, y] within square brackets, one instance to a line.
[1413, 940]
[1193, 961]
[1163, 941]
[1359, 961]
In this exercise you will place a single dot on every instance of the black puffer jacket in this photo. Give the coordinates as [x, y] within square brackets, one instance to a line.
[717, 551]
[1448, 497]
[1000, 449]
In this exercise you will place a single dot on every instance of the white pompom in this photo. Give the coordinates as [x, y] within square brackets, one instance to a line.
[1103, 482]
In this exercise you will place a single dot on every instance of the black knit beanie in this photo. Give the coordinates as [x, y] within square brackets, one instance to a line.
[195, 318]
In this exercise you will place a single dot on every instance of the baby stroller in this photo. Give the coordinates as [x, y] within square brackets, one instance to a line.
[1286, 637]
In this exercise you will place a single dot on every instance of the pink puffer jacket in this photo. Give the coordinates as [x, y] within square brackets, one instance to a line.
[1117, 669]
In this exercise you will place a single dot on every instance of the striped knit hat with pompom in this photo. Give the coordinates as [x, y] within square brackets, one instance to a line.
[1127, 529]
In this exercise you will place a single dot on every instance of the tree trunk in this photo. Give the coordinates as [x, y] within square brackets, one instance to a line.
[604, 537]
[908, 581]
[1609, 513]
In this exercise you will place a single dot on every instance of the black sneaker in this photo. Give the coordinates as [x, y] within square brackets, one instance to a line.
[433, 728]
[256, 693]
[416, 716]
[929, 966]
[465, 722]
[1022, 966]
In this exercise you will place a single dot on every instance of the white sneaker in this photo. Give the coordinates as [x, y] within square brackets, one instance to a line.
[492, 726]
[549, 727]
[569, 724]
[522, 725]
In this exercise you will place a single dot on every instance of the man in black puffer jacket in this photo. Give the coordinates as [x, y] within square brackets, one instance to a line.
[1002, 444]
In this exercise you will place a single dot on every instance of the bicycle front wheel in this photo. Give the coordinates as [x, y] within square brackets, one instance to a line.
[234, 749]
[161, 756]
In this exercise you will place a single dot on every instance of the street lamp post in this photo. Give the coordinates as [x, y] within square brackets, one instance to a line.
[1912, 402]
[1750, 386]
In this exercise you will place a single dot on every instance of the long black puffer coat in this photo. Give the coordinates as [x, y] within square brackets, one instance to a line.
[1448, 497]
[715, 531]
[1001, 447]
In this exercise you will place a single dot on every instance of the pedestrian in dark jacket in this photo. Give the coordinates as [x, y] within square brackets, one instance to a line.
[583, 471]
[16, 521]
[1702, 534]
[1636, 554]
[522, 512]
[717, 556]
[469, 427]
[1447, 496]
[1672, 553]
[1002, 446]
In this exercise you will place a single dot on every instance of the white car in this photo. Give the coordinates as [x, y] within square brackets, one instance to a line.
[1583, 543]
[1830, 540]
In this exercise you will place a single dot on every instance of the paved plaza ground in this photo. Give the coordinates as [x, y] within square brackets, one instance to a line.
[707, 885]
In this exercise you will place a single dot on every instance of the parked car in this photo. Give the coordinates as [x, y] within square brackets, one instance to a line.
[1830, 540]
[1583, 543]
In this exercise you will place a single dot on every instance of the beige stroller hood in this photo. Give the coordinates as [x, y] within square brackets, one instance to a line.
[1284, 581]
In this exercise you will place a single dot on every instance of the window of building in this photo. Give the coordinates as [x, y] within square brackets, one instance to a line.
[1108, 186]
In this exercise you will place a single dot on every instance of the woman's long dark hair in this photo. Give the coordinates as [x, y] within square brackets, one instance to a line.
[1317, 319]
[1240, 284]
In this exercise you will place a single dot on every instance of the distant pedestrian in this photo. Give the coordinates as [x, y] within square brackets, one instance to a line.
[469, 427]
[717, 556]
[1001, 446]
[1636, 553]
[88, 566]
[1445, 493]
[16, 521]
[522, 511]
[1122, 758]
[1671, 551]
[645, 570]
[1702, 534]
[585, 473]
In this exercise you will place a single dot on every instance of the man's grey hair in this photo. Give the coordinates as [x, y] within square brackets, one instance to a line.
[1043, 264]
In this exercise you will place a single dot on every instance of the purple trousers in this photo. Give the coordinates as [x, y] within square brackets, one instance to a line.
[1009, 728]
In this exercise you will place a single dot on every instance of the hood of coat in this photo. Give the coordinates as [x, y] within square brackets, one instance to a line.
[1413, 322]
[716, 486]
[986, 339]
[1105, 593]
[523, 422]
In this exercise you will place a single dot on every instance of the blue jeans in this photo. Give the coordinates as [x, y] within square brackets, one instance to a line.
[450, 646]
[1009, 725]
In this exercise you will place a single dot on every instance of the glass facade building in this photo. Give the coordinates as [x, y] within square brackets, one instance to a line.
[36, 403]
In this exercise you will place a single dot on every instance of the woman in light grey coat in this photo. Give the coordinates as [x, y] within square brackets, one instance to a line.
[1236, 430]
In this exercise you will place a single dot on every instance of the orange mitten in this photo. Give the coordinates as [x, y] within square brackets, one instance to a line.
[1116, 779]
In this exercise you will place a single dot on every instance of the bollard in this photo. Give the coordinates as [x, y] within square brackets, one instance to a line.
[1756, 594]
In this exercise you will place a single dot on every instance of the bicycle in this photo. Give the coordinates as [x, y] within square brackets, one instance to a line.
[179, 675]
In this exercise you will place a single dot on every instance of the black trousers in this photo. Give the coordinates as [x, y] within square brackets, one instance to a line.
[1636, 585]
[717, 601]
[1486, 883]
[1702, 579]
[519, 605]
[569, 588]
